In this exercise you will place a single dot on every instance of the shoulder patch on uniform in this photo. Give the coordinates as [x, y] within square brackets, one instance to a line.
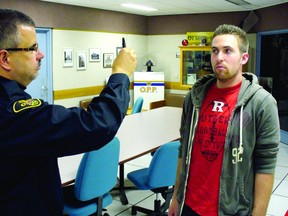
[21, 105]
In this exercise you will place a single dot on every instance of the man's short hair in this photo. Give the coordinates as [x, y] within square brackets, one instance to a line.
[234, 30]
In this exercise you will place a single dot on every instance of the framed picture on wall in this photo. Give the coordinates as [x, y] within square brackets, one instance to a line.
[81, 61]
[108, 60]
[94, 54]
[67, 57]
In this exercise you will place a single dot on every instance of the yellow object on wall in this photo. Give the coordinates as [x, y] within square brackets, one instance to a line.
[199, 38]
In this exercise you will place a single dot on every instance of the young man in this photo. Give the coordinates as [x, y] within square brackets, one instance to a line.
[34, 134]
[229, 137]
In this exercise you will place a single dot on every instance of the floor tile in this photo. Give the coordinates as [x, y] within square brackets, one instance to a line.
[116, 208]
[142, 161]
[134, 197]
[125, 213]
[282, 189]
[278, 205]
[281, 172]
[276, 184]
[149, 202]
[282, 160]
[283, 151]
[283, 145]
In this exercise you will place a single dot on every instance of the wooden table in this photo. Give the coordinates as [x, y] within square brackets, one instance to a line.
[139, 134]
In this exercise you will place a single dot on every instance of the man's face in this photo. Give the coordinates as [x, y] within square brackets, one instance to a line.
[227, 60]
[25, 64]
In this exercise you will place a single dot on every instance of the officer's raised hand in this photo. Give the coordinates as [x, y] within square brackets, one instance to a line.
[125, 62]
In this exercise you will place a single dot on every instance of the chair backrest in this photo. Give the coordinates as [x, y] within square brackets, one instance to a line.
[163, 166]
[175, 100]
[137, 107]
[97, 172]
[157, 104]
[84, 103]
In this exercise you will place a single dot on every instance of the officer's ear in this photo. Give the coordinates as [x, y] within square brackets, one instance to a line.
[4, 60]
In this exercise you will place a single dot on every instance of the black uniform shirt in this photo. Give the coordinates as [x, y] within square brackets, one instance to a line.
[33, 134]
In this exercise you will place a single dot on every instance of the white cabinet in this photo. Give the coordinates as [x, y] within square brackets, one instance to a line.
[150, 86]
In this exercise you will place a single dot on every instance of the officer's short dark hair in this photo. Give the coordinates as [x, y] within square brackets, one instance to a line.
[9, 21]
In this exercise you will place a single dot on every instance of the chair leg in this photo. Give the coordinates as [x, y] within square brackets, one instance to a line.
[159, 210]
[99, 206]
[134, 210]
[168, 198]
[157, 205]
[105, 214]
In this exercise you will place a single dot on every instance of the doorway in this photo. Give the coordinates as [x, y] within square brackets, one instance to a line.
[272, 63]
[42, 87]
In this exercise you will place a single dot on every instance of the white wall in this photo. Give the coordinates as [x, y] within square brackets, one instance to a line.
[95, 74]
[162, 51]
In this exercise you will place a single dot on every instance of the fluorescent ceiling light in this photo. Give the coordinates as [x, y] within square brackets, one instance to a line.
[139, 7]
[239, 2]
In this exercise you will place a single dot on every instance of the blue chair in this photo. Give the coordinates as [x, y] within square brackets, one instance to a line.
[96, 176]
[159, 177]
[137, 107]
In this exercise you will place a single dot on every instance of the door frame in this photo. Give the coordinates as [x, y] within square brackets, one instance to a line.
[284, 134]
[258, 46]
[48, 59]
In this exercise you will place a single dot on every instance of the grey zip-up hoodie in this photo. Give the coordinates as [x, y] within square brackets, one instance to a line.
[251, 143]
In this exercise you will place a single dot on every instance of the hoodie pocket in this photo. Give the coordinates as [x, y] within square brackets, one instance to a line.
[233, 200]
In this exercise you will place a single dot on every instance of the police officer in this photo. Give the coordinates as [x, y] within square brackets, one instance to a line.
[33, 134]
